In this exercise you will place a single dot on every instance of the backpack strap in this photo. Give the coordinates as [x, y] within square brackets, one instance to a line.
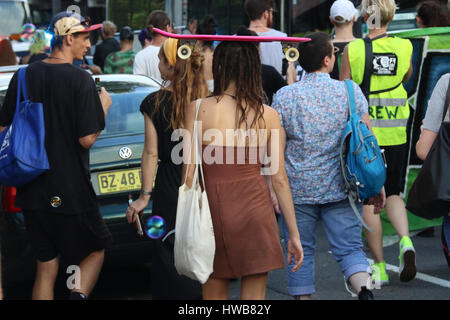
[368, 66]
[447, 102]
[350, 98]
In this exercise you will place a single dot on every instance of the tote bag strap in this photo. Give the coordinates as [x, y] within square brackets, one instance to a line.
[194, 143]
[21, 87]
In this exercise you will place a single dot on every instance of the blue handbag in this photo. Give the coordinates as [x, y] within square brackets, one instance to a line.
[22, 154]
[362, 162]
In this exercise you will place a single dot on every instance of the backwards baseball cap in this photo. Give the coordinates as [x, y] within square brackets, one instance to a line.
[343, 11]
[65, 23]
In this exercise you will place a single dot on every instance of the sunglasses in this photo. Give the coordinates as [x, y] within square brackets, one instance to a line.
[86, 23]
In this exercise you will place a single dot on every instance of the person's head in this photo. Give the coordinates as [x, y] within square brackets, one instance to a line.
[108, 29]
[207, 26]
[343, 12]
[71, 34]
[317, 55]
[260, 10]
[39, 43]
[143, 37]
[7, 55]
[382, 12]
[126, 35]
[158, 19]
[186, 78]
[430, 14]
[238, 63]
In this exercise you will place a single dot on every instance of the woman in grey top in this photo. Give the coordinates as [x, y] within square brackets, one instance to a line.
[430, 129]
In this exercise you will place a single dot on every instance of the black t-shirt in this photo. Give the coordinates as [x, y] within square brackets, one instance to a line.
[72, 110]
[103, 49]
[168, 177]
[336, 70]
[272, 81]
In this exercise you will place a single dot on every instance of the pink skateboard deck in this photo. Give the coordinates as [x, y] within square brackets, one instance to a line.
[205, 37]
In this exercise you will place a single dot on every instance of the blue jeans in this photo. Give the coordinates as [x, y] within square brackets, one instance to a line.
[446, 229]
[343, 231]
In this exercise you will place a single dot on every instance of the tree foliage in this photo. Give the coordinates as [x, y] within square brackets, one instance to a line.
[131, 12]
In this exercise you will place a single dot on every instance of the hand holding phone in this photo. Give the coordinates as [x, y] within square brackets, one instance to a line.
[137, 222]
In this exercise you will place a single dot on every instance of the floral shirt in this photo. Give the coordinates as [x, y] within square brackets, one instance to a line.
[314, 113]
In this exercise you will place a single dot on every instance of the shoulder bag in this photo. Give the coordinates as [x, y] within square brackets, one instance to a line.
[194, 235]
[429, 196]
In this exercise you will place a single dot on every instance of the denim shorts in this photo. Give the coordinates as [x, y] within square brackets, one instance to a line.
[343, 230]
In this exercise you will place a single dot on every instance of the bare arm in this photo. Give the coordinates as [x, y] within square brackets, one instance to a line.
[346, 72]
[409, 73]
[148, 166]
[425, 142]
[87, 141]
[281, 187]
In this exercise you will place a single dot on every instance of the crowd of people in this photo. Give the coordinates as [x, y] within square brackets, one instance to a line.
[241, 88]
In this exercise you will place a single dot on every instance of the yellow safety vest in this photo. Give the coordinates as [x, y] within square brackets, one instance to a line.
[388, 111]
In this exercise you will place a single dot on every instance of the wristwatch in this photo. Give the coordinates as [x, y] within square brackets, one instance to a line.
[146, 193]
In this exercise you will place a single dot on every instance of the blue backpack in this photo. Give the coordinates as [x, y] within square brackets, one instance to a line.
[22, 153]
[362, 162]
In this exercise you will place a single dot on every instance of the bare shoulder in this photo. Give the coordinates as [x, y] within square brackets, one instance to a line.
[271, 116]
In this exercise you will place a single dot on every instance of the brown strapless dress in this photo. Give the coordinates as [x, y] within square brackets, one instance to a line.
[245, 227]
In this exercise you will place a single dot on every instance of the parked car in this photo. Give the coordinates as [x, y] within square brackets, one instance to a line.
[115, 175]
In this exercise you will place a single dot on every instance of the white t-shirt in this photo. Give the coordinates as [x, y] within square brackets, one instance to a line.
[272, 52]
[146, 62]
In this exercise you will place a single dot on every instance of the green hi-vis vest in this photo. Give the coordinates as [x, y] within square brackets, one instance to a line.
[388, 111]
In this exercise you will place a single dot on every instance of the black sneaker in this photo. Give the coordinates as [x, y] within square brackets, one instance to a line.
[365, 294]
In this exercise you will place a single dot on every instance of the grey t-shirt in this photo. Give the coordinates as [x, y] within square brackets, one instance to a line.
[272, 52]
[433, 117]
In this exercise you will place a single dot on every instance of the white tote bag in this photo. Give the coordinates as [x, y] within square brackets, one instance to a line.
[194, 235]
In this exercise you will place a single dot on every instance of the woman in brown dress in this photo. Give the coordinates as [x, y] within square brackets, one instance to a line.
[245, 228]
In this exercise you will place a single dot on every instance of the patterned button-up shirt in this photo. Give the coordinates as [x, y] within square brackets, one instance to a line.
[314, 113]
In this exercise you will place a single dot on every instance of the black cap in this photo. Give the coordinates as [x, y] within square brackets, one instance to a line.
[126, 33]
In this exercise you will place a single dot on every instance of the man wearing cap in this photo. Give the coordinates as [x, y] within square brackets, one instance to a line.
[342, 15]
[61, 213]
[123, 60]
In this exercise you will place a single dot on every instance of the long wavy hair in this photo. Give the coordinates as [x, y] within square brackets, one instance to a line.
[188, 84]
[239, 62]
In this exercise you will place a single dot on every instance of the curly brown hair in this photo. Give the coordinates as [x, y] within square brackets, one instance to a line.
[239, 62]
[188, 84]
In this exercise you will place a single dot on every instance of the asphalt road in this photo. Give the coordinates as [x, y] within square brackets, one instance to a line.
[431, 283]
[127, 281]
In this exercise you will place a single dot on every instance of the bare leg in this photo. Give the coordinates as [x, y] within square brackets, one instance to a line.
[89, 271]
[360, 279]
[374, 238]
[396, 213]
[254, 287]
[215, 289]
[44, 284]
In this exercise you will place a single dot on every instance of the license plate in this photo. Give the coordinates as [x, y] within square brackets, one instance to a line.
[119, 181]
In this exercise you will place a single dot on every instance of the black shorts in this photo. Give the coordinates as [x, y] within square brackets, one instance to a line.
[396, 159]
[70, 237]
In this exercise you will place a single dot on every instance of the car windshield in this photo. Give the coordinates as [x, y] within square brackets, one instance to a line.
[124, 116]
[12, 17]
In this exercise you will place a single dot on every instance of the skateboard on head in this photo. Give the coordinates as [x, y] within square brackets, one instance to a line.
[184, 52]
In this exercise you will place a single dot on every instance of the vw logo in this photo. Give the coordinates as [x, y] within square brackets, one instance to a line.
[125, 153]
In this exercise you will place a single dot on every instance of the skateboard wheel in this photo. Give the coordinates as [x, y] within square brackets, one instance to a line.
[292, 54]
[184, 52]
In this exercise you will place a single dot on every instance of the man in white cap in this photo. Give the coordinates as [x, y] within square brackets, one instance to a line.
[60, 208]
[342, 15]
